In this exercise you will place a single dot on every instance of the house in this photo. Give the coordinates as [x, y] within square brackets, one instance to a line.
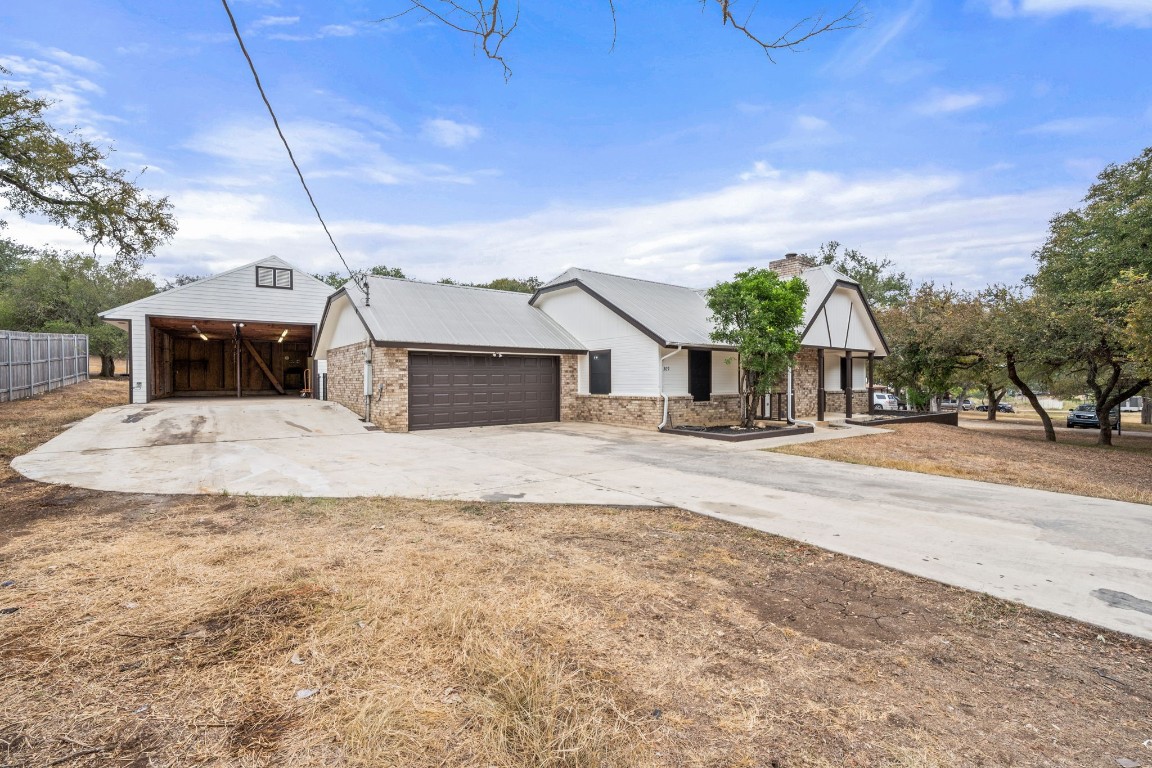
[587, 346]
[839, 344]
[247, 331]
[407, 355]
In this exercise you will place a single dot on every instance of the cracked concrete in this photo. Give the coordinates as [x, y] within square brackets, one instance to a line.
[1082, 557]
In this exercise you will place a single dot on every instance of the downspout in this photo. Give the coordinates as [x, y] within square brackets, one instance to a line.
[663, 394]
[788, 400]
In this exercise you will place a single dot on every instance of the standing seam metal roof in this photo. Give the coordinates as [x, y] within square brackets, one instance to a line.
[675, 314]
[431, 314]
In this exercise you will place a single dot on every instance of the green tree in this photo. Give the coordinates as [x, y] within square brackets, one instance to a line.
[1087, 249]
[61, 292]
[760, 315]
[926, 342]
[882, 286]
[65, 180]
[337, 279]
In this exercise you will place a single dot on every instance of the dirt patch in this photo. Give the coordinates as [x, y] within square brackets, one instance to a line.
[368, 632]
[1005, 455]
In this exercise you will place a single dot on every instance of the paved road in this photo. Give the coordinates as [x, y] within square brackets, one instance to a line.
[1082, 557]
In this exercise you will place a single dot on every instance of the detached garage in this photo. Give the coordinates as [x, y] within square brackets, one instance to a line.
[407, 355]
[245, 332]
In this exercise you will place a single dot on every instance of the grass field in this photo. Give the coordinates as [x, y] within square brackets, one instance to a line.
[159, 630]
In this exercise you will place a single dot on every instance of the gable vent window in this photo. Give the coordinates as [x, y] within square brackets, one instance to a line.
[274, 277]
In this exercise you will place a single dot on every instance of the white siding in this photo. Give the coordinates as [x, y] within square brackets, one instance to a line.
[843, 323]
[725, 373]
[231, 296]
[725, 378]
[635, 357]
[341, 328]
[832, 371]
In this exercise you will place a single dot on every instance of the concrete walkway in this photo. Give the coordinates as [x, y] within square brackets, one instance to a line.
[1082, 557]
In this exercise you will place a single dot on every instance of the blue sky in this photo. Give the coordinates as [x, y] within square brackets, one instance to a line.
[942, 135]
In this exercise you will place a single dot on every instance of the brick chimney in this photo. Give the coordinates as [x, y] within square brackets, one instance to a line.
[791, 265]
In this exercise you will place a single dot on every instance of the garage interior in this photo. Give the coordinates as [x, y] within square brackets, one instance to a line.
[199, 358]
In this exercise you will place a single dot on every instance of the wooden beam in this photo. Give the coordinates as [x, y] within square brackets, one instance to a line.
[263, 366]
[848, 386]
[820, 384]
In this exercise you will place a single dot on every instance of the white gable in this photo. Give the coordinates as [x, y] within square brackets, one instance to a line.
[843, 322]
[236, 296]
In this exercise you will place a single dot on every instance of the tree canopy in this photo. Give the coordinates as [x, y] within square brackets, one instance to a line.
[760, 314]
[62, 292]
[65, 180]
[882, 286]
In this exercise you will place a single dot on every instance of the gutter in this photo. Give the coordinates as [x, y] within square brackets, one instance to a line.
[663, 394]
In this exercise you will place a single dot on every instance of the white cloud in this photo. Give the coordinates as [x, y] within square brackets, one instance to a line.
[449, 133]
[324, 150]
[70, 92]
[940, 102]
[931, 224]
[807, 131]
[275, 21]
[1070, 126]
[1113, 12]
[876, 38]
[328, 30]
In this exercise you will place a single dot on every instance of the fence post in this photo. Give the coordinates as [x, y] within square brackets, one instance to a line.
[11, 376]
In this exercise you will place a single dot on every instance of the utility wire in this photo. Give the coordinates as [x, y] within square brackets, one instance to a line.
[260, 87]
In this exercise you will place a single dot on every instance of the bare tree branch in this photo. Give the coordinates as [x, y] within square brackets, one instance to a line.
[486, 22]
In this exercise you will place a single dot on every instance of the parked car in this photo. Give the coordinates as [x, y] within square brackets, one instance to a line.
[885, 401]
[1083, 416]
[1000, 408]
[967, 405]
[949, 404]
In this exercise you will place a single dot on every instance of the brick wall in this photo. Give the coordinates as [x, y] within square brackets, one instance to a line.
[390, 389]
[569, 386]
[389, 383]
[346, 377]
[806, 383]
[646, 412]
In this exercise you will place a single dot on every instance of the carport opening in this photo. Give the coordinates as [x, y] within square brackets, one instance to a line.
[214, 358]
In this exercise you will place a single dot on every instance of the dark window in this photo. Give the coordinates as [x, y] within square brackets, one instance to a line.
[844, 373]
[273, 277]
[700, 374]
[600, 372]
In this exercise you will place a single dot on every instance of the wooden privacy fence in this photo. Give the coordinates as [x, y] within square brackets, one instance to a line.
[31, 363]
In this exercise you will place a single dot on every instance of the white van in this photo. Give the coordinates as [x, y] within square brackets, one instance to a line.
[885, 401]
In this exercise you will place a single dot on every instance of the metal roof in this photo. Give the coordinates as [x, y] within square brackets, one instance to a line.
[673, 314]
[417, 314]
[670, 314]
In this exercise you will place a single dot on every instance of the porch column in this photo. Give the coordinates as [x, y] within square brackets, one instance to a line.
[820, 385]
[848, 386]
[871, 381]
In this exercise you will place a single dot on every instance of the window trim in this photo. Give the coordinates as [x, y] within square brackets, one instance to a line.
[275, 277]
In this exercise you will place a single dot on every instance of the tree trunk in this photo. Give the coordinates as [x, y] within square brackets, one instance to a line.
[1049, 431]
[1146, 411]
[107, 366]
[994, 399]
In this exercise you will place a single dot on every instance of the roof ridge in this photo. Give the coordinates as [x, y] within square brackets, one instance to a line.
[627, 277]
[445, 285]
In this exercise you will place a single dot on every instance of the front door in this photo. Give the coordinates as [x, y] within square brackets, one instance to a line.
[700, 374]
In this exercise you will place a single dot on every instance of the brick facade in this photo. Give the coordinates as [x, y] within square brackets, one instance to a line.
[569, 386]
[647, 412]
[390, 389]
[346, 377]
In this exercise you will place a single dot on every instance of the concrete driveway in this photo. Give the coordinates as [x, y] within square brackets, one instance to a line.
[1082, 557]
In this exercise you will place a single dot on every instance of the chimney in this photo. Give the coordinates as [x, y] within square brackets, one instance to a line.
[791, 265]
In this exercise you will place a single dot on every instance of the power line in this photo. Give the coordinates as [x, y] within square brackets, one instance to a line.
[299, 173]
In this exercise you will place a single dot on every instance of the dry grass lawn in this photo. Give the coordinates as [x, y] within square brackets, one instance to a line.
[215, 630]
[1021, 457]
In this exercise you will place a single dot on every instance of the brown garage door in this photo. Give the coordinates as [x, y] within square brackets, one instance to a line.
[451, 390]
